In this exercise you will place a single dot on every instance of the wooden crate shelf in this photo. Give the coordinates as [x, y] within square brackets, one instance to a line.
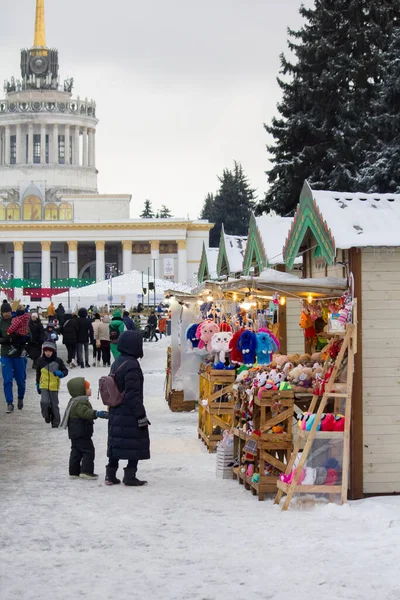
[216, 406]
[177, 403]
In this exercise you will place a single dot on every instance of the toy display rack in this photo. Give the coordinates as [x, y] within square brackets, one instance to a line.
[273, 408]
[216, 406]
[307, 438]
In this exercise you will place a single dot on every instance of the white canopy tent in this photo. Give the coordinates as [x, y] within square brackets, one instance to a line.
[125, 289]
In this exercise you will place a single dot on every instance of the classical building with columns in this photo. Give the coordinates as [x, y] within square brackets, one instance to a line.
[57, 231]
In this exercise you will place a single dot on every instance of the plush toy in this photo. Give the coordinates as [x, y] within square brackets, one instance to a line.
[310, 422]
[247, 346]
[266, 330]
[236, 354]
[220, 345]
[339, 423]
[224, 326]
[294, 374]
[327, 422]
[309, 476]
[281, 360]
[207, 330]
[265, 347]
[191, 335]
[305, 379]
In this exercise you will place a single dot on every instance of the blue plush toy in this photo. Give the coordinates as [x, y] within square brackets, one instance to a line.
[191, 335]
[265, 347]
[247, 345]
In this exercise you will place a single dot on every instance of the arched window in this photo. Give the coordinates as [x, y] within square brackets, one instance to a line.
[65, 211]
[50, 212]
[13, 212]
[32, 210]
[2, 211]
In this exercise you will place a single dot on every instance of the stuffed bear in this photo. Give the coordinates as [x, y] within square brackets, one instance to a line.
[305, 379]
[280, 360]
[247, 345]
[266, 345]
[220, 345]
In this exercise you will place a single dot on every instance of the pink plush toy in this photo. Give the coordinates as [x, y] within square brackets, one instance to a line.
[208, 328]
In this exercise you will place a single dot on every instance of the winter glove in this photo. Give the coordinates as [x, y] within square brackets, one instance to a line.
[102, 414]
[143, 422]
[59, 374]
[53, 336]
[38, 389]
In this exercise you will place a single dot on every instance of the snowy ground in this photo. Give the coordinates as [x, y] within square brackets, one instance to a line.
[185, 536]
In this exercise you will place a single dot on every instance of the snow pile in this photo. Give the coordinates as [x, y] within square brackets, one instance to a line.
[359, 220]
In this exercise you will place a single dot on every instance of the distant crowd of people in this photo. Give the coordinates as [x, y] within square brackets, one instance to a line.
[23, 335]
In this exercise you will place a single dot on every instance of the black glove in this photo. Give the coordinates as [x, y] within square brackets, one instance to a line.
[143, 422]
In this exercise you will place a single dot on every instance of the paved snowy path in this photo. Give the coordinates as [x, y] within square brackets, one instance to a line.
[185, 536]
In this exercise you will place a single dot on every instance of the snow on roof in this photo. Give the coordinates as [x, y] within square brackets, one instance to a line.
[212, 259]
[272, 276]
[359, 220]
[235, 246]
[273, 231]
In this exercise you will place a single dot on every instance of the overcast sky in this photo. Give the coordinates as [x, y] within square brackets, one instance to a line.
[182, 87]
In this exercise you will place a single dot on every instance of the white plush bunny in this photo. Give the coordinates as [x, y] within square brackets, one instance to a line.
[220, 345]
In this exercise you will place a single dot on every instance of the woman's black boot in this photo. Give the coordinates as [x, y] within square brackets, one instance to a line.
[131, 479]
[111, 478]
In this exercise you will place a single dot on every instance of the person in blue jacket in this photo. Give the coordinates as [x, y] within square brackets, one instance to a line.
[12, 367]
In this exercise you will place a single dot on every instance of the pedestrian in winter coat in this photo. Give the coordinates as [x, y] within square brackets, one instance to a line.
[36, 331]
[51, 312]
[12, 367]
[84, 336]
[69, 332]
[79, 417]
[153, 322]
[129, 324]
[96, 340]
[50, 369]
[128, 426]
[117, 326]
[102, 335]
[50, 334]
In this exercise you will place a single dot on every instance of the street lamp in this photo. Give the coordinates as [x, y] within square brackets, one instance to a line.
[69, 262]
[110, 267]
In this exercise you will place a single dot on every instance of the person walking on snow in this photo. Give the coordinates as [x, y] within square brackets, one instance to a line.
[128, 425]
[79, 417]
[153, 322]
[36, 331]
[12, 367]
[96, 340]
[50, 369]
[117, 327]
[128, 322]
[85, 334]
[69, 331]
[51, 312]
[102, 335]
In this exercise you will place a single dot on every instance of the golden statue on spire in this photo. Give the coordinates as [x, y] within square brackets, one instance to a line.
[40, 29]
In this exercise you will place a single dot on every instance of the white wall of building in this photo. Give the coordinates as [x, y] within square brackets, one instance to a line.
[99, 207]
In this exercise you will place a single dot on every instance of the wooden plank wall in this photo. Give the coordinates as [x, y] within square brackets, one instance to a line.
[381, 369]
[295, 335]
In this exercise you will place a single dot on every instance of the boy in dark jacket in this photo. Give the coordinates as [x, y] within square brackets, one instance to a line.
[49, 370]
[79, 417]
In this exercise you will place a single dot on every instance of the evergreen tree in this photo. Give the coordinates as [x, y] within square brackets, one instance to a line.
[165, 212]
[231, 205]
[381, 170]
[147, 212]
[325, 128]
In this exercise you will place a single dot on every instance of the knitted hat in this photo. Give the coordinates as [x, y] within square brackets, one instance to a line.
[49, 346]
[6, 307]
[87, 385]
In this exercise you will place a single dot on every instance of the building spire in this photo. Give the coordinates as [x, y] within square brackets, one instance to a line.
[40, 29]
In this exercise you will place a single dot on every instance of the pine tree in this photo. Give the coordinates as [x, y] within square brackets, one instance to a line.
[147, 212]
[325, 128]
[165, 212]
[381, 170]
[231, 205]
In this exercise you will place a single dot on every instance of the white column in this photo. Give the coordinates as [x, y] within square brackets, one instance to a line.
[100, 261]
[126, 256]
[46, 268]
[18, 267]
[7, 146]
[182, 261]
[76, 146]
[90, 151]
[67, 135]
[94, 148]
[43, 145]
[30, 144]
[18, 148]
[73, 260]
[155, 256]
[55, 144]
[85, 148]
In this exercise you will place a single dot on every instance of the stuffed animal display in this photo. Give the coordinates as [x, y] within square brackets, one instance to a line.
[247, 345]
[265, 347]
[220, 345]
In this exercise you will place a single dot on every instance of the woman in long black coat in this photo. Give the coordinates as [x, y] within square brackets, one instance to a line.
[36, 331]
[128, 425]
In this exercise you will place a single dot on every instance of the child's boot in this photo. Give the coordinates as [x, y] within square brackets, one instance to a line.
[131, 479]
[111, 476]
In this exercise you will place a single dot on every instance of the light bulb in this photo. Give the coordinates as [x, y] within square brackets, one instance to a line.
[282, 301]
[209, 298]
[309, 299]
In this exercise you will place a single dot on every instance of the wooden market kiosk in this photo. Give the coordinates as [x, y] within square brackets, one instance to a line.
[341, 233]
